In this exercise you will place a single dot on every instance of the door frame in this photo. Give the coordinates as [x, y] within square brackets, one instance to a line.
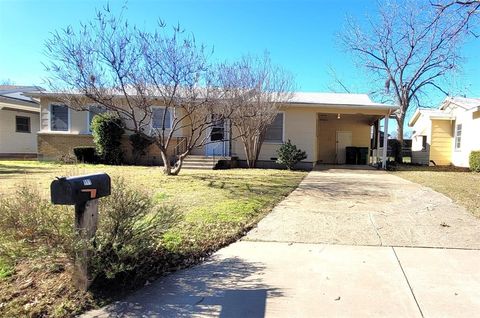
[225, 149]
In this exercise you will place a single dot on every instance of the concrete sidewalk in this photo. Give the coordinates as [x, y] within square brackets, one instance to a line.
[286, 268]
[267, 279]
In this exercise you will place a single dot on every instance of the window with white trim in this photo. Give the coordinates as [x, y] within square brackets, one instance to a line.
[458, 136]
[158, 114]
[59, 117]
[274, 131]
[92, 111]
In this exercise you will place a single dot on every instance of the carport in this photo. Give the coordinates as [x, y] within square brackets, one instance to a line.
[356, 129]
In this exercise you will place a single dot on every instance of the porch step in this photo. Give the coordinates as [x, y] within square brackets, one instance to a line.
[200, 162]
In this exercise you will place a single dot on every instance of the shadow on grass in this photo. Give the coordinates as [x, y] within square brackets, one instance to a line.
[16, 169]
[228, 287]
[407, 167]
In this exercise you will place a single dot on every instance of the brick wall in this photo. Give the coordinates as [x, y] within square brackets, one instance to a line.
[54, 146]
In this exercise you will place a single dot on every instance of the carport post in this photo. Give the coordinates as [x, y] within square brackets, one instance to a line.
[385, 142]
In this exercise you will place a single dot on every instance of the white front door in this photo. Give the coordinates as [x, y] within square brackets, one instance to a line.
[344, 139]
[217, 143]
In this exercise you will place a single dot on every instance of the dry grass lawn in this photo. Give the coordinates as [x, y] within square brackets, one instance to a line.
[217, 208]
[458, 184]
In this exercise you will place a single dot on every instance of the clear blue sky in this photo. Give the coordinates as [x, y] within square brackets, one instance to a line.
[300, 35]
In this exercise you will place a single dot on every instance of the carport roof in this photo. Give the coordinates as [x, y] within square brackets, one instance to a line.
[340, 100]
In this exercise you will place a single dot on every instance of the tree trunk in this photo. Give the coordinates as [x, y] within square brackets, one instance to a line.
[179, 163]
[167, 168]
[399, 150]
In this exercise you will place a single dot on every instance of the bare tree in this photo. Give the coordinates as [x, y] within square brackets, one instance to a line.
[409, 48]
[468, 11]
[253, 90]
[128, 72]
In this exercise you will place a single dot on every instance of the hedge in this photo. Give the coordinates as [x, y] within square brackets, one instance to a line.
[475, 161]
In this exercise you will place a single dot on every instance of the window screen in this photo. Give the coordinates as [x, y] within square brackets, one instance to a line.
[275, 130]
[22, 124]
[59, 118]
[157, 118]
[458, 136]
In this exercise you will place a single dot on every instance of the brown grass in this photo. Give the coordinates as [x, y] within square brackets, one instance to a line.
[459, 184]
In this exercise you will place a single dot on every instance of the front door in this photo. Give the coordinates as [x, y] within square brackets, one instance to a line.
[344, 139]
[217, 143]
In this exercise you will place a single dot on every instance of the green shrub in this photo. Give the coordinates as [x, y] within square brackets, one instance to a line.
[107, 131]
[139, 143]
[289, 155]
[85, 154]
[128, 242]
[475, 161]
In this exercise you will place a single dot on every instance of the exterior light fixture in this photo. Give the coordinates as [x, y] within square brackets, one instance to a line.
[338, 116]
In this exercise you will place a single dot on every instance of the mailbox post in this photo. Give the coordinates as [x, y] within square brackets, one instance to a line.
[83, 192]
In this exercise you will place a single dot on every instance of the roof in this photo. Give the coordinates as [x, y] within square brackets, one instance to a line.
[468, 104]
[463, 102]
[338, 99]
[14, 97]
[431, 113]
[360, 101]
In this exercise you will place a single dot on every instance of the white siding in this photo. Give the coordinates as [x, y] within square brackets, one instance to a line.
[12, 142]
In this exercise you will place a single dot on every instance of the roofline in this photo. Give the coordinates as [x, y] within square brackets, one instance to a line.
[374, 106]
[17, 101]
[9, 106]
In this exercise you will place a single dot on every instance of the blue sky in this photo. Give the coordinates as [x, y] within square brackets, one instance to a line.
[300, 35]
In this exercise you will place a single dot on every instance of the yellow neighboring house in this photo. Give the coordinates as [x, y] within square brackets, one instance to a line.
[322, 124]
[447, 135]
[19, 121]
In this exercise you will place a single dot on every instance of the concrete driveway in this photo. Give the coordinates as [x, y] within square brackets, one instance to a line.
[368, 207]
[346, 243]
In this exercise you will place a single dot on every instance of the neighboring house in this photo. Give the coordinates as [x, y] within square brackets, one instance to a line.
[19, 121]
[447, 135]
[322, 124]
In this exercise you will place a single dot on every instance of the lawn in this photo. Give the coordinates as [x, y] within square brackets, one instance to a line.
[217, 206]
[458, 184]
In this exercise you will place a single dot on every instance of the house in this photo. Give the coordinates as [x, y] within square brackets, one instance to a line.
[19, 121]
[447, 135]
[322, 124]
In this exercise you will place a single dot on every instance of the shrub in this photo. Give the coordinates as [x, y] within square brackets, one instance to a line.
[475, 161]
[128, 240]
[107, 131]
[32, 222]
[139, 143]
[85, 154]
[289, 155]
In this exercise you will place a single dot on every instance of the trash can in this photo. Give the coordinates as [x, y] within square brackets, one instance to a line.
[351, 155]
[362, 155]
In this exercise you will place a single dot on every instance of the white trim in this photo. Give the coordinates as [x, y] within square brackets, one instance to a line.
[283, 131]
[151, 118]
[69, 121]
[385, 142]
[459, 149]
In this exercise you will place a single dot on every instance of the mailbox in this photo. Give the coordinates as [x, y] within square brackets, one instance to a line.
[80, 189]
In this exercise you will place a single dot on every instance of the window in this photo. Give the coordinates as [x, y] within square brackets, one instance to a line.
[424, 142]
[274, 132]
[92, 111]
[59, 117]
[157, 118]
[22, 124]
[458, 136]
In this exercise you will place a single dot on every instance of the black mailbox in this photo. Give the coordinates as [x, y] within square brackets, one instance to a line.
[76, 190]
